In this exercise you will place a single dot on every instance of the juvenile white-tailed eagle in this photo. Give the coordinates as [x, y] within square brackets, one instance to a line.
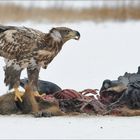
[28, 48]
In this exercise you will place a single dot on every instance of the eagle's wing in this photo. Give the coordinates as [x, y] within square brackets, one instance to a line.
[16, 45]
[18, 42]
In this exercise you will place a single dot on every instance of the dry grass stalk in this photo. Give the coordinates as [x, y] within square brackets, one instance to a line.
[18, 13]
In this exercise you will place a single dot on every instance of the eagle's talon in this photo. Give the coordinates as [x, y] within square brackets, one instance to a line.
[36, 94]
[18, 95]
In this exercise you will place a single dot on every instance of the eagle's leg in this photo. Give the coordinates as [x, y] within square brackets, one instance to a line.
[33, 75]
[12, 79]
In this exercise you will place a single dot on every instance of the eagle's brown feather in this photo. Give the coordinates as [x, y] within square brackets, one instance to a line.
[29, 48]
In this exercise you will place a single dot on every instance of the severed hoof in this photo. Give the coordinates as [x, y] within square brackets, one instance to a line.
[37, 114]
[47, 114]
[42, 114]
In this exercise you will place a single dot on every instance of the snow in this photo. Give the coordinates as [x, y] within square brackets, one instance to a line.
[105, 51]
[84, 127]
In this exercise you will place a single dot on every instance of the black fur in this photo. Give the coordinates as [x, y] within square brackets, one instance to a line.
[43, 86]
[130, 96]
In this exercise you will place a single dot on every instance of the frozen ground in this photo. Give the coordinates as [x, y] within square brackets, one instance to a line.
[21, 127]
[105, 51]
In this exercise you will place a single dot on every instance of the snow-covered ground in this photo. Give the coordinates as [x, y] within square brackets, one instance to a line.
[85, 127]
[105, 51]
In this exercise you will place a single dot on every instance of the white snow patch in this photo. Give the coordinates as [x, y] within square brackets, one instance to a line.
[95, 127]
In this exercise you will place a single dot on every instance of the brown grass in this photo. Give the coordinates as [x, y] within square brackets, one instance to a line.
[18, 13]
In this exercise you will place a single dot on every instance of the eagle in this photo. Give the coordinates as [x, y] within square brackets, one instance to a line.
[23, 47]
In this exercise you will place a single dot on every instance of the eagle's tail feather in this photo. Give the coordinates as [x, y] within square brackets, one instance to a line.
[12, 77]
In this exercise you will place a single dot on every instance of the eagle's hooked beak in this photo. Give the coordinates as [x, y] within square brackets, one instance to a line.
[74, 35]
[77, 37]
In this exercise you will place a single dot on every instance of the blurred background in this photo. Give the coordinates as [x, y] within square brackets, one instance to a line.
[71, 10]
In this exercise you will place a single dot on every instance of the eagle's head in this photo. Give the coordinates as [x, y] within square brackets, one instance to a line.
[64, 34]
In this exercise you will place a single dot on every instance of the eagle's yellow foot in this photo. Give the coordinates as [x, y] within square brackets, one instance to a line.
[36, 94]
[18, 95]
